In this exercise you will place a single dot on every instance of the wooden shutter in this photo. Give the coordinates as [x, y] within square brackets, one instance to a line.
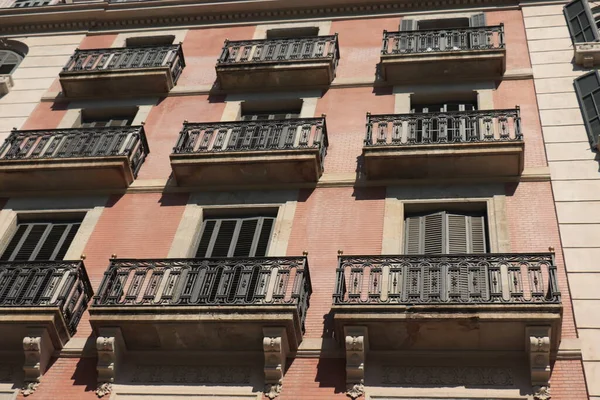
[587, 88]
[580, 21]
[40, 241]
[408, 25]
[106, 123]
[477, 39]
[444, 233]
[235, 237]
[477, 20]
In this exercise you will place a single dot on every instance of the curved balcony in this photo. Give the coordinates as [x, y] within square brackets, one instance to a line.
[262, 152]
[210, 304]
[437, 55]
[51, 295]
[72, 159]
[122, 72]
[448, 302]
[462, 145]
[278, 63]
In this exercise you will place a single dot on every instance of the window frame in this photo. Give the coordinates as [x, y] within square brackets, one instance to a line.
[5, 54]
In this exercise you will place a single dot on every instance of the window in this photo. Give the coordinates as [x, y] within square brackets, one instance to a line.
[581, 22]
[445, 233]
[161, 40]
[30, 3]
[441, 126]
[235, 237]
[260, 136]
[444, 40]
[587, 88]
[107, 117]
[9, 61]
[35, 241]
[299, 32]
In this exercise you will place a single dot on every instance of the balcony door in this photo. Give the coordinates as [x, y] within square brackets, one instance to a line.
[444, 124]
[444, 34]
[263, 131]
[40, 241]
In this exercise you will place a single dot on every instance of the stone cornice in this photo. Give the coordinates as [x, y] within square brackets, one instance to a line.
[105, 16]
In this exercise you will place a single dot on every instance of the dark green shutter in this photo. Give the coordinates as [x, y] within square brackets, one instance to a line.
[581, 22]
[587, 88]
[40, 241]
[235, 237]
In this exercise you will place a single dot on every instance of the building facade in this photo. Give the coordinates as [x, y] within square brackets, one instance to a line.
[297, 200]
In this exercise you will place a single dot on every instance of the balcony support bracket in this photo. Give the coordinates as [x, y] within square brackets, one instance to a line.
[538, 345]
[38, 349]
[275, 347]
[110, 346]
[356, 342]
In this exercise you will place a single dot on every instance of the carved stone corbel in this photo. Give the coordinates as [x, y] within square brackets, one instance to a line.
[356, 343]
[538, 345]
[38, 349]
[275, 349]
[110, 347]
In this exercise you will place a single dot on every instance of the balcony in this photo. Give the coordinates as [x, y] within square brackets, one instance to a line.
[72, 159]
[440, 55]
[462, 144]
[250, 152]
[448, 302]
[121, 72]
[278, 63]
[41, 303]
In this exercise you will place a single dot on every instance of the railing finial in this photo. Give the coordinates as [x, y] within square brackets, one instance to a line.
[82, 257]
[340, 252]
[305, 253]
[551, 249]
[113, 256]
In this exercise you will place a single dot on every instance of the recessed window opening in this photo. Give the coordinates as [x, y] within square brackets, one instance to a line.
[283, 33]
[107, 117]
[246, 234]
[265, 134]
[443, 23]
[442, 125]
[41, 240]
[9, 61]
[444, 229]
[159, 40]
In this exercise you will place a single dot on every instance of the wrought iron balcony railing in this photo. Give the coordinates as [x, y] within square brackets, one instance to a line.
[443, 40]
[269, 51]
[209, 282]
[447, 279]
[129, 141]
[263, 135]
[61, 284]
[139, 57]
[444, 127]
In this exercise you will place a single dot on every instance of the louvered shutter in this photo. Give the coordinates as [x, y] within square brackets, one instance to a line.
[587, 88]
[444, 233]
[413, 235]
[581, 22]
[408, 25]
[477, 39]
[434, 233]
[477, 20]
[40, 241]
[235, 237]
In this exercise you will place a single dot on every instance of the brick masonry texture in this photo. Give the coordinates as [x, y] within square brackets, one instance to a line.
[326, 219]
